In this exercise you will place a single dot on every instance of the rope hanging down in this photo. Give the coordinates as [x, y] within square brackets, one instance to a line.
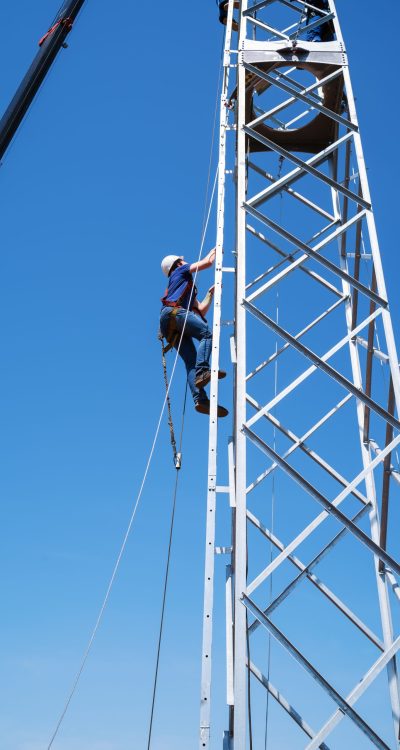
[177, 454]
[171, 531]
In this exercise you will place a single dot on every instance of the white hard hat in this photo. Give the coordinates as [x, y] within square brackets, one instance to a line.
[168, 262]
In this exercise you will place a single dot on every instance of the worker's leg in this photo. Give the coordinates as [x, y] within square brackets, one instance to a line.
[186, 348]
[314, 35]
[198, 329]
[223, 15]
[187, 351]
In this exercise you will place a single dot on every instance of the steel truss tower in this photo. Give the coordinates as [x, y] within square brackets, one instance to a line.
[312, 586]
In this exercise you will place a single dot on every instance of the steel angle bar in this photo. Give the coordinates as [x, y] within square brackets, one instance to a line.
[345, 209]
[293, 193]
[229, 636]
[386, 475]
[369, 364]
[356, 271]
[306, 112]
[289, 646]
[298, 656]
[300, 443]
[297, 95]
[271, 29]
[258, 6]
[286, 258]
[299, 335]
[358, 691]
[240, 521]
[305, 166]
[330, 507]
[283, 105]
[307, 4]
[209, 563]
[377, 450]
[291, 259]
[383, 358]
[300, 538]
[311, 253]
[278, 75]
[393, 582]
[298, 172]
[306, 572]
[322, 365]
[304, 375]
[386, 318]
[284, 703]
[316, 581]
[314, 253]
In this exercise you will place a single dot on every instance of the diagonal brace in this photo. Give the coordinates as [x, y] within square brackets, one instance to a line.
[306, 167]
[328, 369]
[341, 702]
[311, 102]
[329, 506]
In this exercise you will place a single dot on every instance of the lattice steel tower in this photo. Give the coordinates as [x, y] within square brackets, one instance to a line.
[311, 590]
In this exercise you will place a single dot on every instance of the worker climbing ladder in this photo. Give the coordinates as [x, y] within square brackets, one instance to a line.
[312, 581]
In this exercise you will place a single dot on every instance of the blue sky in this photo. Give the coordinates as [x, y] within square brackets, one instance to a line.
[106, 176]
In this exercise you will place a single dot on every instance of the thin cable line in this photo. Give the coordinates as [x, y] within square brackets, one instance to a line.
[171, 531]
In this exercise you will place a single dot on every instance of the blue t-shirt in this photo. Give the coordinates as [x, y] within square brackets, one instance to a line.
[177, 282]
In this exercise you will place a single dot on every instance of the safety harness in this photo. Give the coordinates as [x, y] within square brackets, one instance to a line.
[172, 334]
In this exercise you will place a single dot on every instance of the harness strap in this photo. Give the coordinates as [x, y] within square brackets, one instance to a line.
[177, 303]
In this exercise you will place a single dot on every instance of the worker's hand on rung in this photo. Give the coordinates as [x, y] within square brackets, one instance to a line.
[211, 256]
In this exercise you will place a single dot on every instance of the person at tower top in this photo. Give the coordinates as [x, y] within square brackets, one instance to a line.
[223, 13]
[182, 312]
[325, 31]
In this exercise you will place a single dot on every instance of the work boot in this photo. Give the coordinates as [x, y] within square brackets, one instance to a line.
[204, 378]
[203, 407]
[235, 25]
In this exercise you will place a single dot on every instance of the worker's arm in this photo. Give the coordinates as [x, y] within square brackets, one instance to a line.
[201, 265]
[204, 306]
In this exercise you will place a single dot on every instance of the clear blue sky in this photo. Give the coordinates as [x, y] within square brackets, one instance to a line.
[106, 176]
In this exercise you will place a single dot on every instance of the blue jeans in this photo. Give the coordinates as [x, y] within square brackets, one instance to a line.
[321, 33]
[198, 361]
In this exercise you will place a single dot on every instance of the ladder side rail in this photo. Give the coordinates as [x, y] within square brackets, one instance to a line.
[208, 606]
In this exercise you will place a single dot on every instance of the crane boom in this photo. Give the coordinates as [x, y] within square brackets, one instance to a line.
[49, 47]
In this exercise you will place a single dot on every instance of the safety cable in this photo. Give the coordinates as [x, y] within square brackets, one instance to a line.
[299, 27]
[149, 460]
[171, 531]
